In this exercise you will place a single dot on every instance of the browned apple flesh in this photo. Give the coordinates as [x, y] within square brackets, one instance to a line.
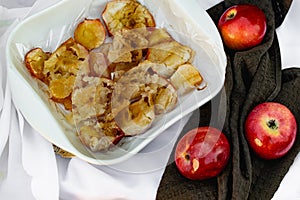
[139, 95]
[66, 60]
[98, 64]
[186, 78]
[92, 113]
[61, 68]
[164, 94]
[90, 33]
[62, 87]
[91, 99]
[172, 54]
[165, 99]
[158, 35]
[34, 61]
[93, 137]
[100, 136]
[126, 14]
[137, 117]
[127, 46]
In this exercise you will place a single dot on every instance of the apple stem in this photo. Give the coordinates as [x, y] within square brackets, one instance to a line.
[272, 124]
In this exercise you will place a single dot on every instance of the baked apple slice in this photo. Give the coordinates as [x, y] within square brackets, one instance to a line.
[164, 94]
[100, 136]
[98, 64]
[90, 33]
[91, 102]
[158, 35]
[91, 97]
[139, 95]
[66, 60]
[61, 68]
[165, 99]
[62, 87]
[127, 46]
[118, 69]
[34, 61]
[186, 78]
[172, 54]
[137, 117]
[132, 104]
[126, 14]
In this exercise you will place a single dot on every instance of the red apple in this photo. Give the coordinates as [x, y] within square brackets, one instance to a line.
[270, 130]
[202, 153]
[242, 26]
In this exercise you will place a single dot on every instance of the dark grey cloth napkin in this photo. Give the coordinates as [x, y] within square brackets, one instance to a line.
[252, 77]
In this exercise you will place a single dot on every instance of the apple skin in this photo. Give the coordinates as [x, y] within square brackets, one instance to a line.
[242, 26]
[202, 153]
[270, 129]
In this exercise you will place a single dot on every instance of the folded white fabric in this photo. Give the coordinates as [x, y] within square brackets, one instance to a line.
[16, 3]
[28, 165]
[29, 169]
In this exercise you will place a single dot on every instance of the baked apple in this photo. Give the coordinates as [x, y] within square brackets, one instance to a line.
[186, 78]
[66, 60]
[90, 33]
[140, 94]
[34, 61]
[158, 35]
[126, 14]
[91, 102]
[172, 54]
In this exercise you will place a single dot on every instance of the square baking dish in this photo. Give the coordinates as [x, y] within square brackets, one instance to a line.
[187, 22]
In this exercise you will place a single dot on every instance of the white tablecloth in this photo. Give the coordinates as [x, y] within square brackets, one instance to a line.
[29, 169]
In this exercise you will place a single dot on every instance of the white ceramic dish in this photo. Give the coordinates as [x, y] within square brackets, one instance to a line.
[54, 25]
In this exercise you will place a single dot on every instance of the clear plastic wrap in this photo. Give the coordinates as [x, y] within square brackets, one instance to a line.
[186, 22]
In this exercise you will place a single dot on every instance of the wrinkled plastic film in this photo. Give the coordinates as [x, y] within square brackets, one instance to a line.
[166, 16]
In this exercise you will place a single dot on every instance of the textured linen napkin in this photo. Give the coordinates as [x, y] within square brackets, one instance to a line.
[252, 77]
